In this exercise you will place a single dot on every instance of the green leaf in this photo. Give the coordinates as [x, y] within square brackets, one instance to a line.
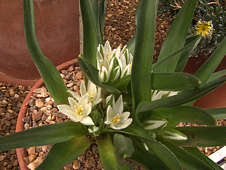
[43, 135]
[199, 155]
[165, 155]
[175, 115]
[205, 71]
[131, 45]
[181, 98]
[204, 136]
[107, 153]
[217, 113]
[187, 160]
[174, 81]
[137, 131]
[192, 43]
[47, 70]
[217, 75]
[185, 50]
[90, 32]
[99, 11]
[143, 54]
[64, 153]
[122, 83]
[147, 159]
[176, 36]
[123, 145]
[92, 73]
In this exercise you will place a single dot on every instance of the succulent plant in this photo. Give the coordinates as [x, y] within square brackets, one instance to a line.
[129, 106]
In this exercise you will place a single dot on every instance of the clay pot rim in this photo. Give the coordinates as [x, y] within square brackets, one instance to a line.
[20, 125]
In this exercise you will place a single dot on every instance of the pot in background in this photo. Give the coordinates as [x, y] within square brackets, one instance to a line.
[216, 98]
[57, 29]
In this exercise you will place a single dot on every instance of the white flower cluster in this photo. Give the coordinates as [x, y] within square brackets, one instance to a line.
[113, 64]
[80, 107]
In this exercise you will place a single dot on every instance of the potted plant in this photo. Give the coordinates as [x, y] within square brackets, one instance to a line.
[57, 33]
[129, 106]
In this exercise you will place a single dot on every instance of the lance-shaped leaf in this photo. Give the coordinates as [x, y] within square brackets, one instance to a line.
[175, 115]
[174, 81]
[187, 160]
[176, 36]
[143, 54]
[165, 155]
[136, 131]
[216, 75]
[47, 70]
[90, 41]
[199, 155]
[107, 153]
[181, 98]
[99, 11]
[205, 71]
[192, 43]
[131, 45]
[64, 153]
[147, 159]
[204, 136]
[43, 135]
[92, 73]
[217, 113]
[186, 50]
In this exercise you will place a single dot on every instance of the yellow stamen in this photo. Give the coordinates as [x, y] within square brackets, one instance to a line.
[91, 96]
[204, 28]
[79, 110]
[116, 119]
[108, 54]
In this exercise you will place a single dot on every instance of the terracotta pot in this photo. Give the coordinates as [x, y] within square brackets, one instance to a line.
[20, 125]
[216, 98]
[57, 28]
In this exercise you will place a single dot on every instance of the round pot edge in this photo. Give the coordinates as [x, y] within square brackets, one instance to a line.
[19, 124]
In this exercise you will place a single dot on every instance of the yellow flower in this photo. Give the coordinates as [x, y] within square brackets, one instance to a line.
[204, 28]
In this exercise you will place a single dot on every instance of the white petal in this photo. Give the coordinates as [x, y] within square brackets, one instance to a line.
[66, 109]
[87, 121]
[83, 88]
[124, 116]
[84, 100]
[109, 116]
[91, 87]
[75, 95]
[109, 98]
[87, 109]
[118, 108]
[123, 125]
[72, 101]
[117, 74]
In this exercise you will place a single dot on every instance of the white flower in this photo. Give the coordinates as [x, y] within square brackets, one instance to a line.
[113, 64]
[93, 92]
[162, 94]
[116, 118]
[78, 109]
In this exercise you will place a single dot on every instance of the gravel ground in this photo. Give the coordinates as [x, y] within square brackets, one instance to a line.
[11, 98]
